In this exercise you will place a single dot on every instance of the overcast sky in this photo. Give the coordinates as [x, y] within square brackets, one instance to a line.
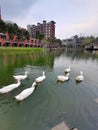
[72, 17]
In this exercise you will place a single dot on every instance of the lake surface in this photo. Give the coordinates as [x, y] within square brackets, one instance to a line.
[51, 102]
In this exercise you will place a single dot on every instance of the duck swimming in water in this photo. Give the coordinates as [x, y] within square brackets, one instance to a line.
[21, 77]
[25, 93]
[67, 70]
[41, 78]
[63, 78]
[80, 77]
[10, 87]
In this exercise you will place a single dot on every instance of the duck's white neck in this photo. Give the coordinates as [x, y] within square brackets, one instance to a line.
[26, 73]
[34, 84]
[43, 72]
[18, 81]
[67, 75]
[81, 73]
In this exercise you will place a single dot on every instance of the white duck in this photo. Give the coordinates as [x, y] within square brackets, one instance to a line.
[67, 70]
[10, 87]
[21, 77]
[63, 78]
[80, 77]
[41, 78]
[25, 93]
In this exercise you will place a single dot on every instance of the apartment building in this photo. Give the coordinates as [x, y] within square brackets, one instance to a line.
[45, 28]
[72, 42]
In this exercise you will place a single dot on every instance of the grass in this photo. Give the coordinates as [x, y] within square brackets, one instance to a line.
[11, 50]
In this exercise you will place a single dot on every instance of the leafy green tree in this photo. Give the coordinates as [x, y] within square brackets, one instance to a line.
[2, 26]
[88, 40]
[96, 40]
[15, 27]
[26, 34]
[19, 35]
[39, 35]
[11, 30]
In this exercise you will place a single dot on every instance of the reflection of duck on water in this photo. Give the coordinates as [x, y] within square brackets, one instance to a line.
[25, 93]
[10, 87]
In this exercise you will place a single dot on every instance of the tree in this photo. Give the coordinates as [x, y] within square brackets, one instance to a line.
[15, 27]
[96, 40]
[88, 40]
[11, 30]
[2, 26]
[19, 35]
[26, 34]
[39, 35]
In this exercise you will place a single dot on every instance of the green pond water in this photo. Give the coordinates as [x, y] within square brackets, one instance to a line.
[51, 102]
